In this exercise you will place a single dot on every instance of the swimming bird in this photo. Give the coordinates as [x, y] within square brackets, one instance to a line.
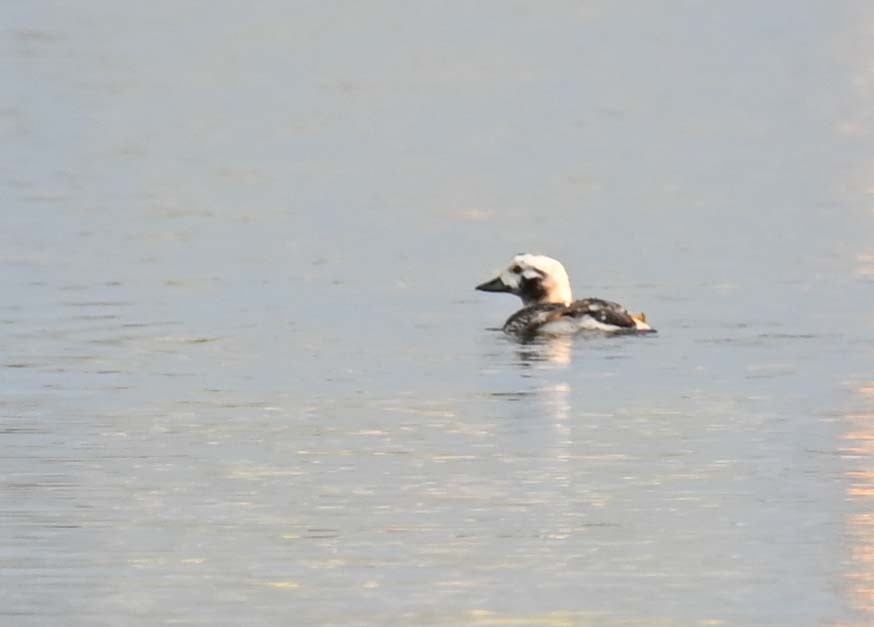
[545, 289]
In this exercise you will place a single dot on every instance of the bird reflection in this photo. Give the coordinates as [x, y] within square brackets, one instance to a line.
[555, 351]
[542, 413]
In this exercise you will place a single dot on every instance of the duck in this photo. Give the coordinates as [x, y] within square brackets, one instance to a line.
[548, 305]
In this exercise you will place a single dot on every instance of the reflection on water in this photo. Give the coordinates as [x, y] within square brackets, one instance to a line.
[860, 490]
[552, 350]
[859, 450]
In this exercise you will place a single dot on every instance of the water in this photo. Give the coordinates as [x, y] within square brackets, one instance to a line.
[246, 379]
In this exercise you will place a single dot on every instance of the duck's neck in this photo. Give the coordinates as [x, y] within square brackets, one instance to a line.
[563, 295]
[550, 292]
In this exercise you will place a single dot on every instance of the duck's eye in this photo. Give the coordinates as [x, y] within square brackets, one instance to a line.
[516, 270]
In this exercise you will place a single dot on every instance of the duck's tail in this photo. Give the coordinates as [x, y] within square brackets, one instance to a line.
[640, 322]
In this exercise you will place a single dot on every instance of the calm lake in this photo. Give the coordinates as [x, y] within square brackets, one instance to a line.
[246, 379]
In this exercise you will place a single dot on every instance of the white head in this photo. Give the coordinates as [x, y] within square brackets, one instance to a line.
[533, 278]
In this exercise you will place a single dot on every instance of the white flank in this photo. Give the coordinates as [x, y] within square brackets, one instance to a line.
[588, 323]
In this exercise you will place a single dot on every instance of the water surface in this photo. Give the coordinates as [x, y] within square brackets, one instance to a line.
[246, 379]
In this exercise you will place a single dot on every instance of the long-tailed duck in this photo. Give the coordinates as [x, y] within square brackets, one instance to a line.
[543, 285]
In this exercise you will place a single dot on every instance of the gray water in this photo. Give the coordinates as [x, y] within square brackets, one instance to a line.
[246, 379]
